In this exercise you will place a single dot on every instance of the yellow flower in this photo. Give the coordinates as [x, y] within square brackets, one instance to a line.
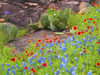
[2, 20]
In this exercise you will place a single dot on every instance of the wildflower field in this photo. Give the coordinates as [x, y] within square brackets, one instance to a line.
[78, 54]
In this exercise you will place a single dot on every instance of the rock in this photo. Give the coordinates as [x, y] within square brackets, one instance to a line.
[18, 16]
[83, 6]
[31, 4]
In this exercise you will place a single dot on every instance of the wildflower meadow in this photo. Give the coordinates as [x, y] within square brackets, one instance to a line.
[78, 54]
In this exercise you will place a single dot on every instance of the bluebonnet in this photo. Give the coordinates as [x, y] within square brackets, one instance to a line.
[64, 66]
[55, 56]
[65, 55]
[89, 73]
[99, 11]
[89, 12]
[73, 72]
[33, 62]
[61, 65]
[12, 67]
[49, 45]
[8, 65]
[46, 74]
[28, 68]
[40, 50]
[2, 65]
[88, 21]
[13, 71]
[71, 69]
[50, 63]
[95, 9]
[62, 59]
[52, 43]
[58, 56]
[8, 70]
[91, 25]
[23, 64]
[51, 50]
[95, 16]
[16, 66]
[57, 72]
[82, 67]
[64, 48]
[38, 60]
[92, 29]
[7, 12]
[66, 70]
[73, 51]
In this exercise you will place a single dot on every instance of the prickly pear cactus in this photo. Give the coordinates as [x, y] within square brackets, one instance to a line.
[14, 31]
[55, 22]
[45, 21]
[61, 26]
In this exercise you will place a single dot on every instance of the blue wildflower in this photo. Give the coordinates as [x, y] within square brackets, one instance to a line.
[16, 66]
[8, 70]
[66, 70]
[13, 71]
[99, 11]
[89, 73]
[71, 69]
[7, 13]
[95, 16]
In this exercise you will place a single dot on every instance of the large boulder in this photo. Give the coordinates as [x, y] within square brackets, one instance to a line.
[83, 6]
[18, 16]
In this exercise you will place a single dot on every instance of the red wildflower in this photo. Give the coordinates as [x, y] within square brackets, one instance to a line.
[89, 32]
[94, 22]
[75, 33]
[55, 35]
[50, 41]
[97, 5]
[90, 18]
[97, 42]
[42, 48]
[31, 53]
[83, 48]
[97, 64]
[49, 51]
[76, 12]
[82, 13]
[26, 51]
[94, 3]
[74, 27]
[29, 36]
[84, 20]
[32, 69]
[44, 64]
[55, 52]
[58, 41]
[12, 59]
[82, 32]
[36, 56]
[39, 40]
[38, 67]
[42, 54]
[45, 35]
[25, 67]
[97, 28]
[18, 58]
[88, 27]
[67, 34]
[28, 55]
[86, 30]
[79, 33]
[85, 51]
[15, 55]
[29, 41]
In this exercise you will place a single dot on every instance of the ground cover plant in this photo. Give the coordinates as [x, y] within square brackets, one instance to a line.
[78, 54]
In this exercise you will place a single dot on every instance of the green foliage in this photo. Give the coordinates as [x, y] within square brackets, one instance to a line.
[14, 31]
[45, 21]
[35, 27]
[61, 26]
[55, 22]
